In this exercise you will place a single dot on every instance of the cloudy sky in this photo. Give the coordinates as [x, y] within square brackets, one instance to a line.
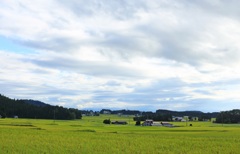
[122, 54]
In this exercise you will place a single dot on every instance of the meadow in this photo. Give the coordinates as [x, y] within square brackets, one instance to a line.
[90, 135]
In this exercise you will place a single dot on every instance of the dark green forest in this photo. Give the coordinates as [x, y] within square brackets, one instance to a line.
[232, 116]
[35, 109]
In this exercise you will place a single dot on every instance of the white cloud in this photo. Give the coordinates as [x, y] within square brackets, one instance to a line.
[122, 53]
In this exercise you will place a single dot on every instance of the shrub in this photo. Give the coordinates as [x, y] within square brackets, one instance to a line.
[138, 123]
[107, 121]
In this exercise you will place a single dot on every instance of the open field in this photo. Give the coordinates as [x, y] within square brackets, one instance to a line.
[90, 135]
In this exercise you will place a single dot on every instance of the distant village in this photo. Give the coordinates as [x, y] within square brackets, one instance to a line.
[158, 118]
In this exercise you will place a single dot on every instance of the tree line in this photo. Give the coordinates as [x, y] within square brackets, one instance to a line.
[24, 109]
[232, 116]
[201, 115]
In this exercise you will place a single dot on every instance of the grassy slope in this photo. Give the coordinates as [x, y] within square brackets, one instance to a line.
[91, 136]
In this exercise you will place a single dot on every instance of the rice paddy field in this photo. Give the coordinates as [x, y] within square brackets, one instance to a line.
[90, 136]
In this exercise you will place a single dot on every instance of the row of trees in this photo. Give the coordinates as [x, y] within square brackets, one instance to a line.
[232, 116]
[201, 115]
[166, 115]
[124, 112]
[162, 115]
[154, 116]
[11, 107]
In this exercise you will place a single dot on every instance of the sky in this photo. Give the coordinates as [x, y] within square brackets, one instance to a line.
[122, 54]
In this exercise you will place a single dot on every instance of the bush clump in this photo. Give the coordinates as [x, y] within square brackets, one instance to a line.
[107, 121]
[138, 123]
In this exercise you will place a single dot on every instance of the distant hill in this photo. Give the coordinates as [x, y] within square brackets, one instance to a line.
[34, 102]
[35, 109]
[188, 113]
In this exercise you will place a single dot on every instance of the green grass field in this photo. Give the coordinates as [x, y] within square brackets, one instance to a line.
[90, 135]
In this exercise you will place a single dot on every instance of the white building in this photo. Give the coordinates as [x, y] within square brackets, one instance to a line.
[106, 112]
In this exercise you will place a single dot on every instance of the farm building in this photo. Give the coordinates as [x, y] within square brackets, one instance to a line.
[106, 112]
[156, 124]
[184, 119]
[119, 122]
[148, 122]
[194, 119]
[177, 118]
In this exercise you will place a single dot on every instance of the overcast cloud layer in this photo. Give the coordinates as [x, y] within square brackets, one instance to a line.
[122, 54]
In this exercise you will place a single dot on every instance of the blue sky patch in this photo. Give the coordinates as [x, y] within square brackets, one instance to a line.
[12, 46]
